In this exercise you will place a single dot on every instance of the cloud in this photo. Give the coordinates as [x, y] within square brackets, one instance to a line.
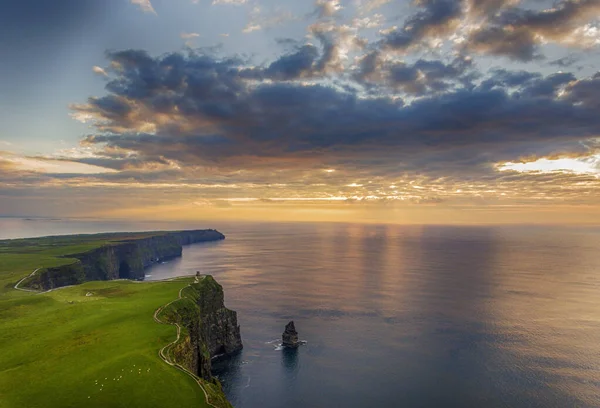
[144, 5]
[530, 84]
[210, 112]
[436, 18]
[565, 62]
[584, 92]
[99, 71]
[495, 27]
[487, 8]
[189, 36]
[517, 33]
[370, 5]
[32, 164]
[295, 65]
[327, 8]
[419, 79]
[403, 114]
[589, 165]
[310, 61]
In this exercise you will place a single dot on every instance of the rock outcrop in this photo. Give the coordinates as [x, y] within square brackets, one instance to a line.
[290, 336]
[212, 329]
[126, 259]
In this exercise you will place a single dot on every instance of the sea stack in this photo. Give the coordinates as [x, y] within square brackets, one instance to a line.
[290, 336]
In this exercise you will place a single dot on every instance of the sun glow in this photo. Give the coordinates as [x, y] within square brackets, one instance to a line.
[589, 165]
[55, 166]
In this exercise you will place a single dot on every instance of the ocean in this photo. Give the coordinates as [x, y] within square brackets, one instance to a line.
[397, 316]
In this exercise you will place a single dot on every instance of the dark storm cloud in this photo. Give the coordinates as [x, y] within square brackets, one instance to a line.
[517, 33]
[427, 76]
[368, 65]
[420, 78]
[211, 114]
[517, 44]
[294, 65]
[503, 77]
[529, 84]
[122, 163]
[586, 92]
[565, 62]
[436, 17]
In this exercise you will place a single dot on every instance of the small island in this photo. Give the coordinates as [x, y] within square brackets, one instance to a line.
[290, 336]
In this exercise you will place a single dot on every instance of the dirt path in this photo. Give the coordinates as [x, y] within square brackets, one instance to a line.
[21, 281]
[163, 356]
[39, 292]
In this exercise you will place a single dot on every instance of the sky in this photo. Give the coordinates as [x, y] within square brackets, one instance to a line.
[411, 112]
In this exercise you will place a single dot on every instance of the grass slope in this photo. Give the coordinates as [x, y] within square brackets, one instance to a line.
[20, 257]
[66, 349]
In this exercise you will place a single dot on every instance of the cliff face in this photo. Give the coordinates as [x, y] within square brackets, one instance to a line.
[211, 328]
[121, 260]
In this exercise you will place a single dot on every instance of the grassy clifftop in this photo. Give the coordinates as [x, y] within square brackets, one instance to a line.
[92, 345]
[207, 328]
[89, 345]
[73, 259]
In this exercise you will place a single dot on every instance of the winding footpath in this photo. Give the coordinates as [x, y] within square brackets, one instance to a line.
[39, 292]
[163, 356]
[21, 281]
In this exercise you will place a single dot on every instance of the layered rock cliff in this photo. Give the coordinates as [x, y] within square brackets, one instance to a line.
[210, 329]
[125, 259]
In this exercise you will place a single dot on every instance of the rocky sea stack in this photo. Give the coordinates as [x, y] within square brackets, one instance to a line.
[290, 336]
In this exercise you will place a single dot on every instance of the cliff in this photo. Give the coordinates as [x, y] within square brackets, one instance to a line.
[124, 259]
[210, 329]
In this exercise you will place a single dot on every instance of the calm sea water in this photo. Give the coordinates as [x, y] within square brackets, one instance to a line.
[399, 316]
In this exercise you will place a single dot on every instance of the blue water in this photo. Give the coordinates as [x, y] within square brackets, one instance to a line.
[399, 316]
[409, 316]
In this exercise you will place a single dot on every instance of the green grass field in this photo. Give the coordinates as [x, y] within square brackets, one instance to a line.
[20, 257]
[66, 349]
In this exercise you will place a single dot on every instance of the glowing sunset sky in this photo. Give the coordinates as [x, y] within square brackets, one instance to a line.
[432, 111]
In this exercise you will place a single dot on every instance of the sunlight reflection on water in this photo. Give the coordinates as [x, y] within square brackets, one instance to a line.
[409, 316]
[398, 316]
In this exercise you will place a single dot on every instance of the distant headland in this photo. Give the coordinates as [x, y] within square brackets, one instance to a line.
[106, 256]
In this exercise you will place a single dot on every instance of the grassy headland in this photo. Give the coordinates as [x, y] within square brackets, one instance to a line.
[94, 344]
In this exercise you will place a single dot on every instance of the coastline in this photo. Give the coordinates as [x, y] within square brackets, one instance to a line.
[104, 256]
[133, 300]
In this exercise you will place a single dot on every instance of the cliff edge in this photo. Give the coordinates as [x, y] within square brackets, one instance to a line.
[125, 258]
[211, 328]
[207, 329]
